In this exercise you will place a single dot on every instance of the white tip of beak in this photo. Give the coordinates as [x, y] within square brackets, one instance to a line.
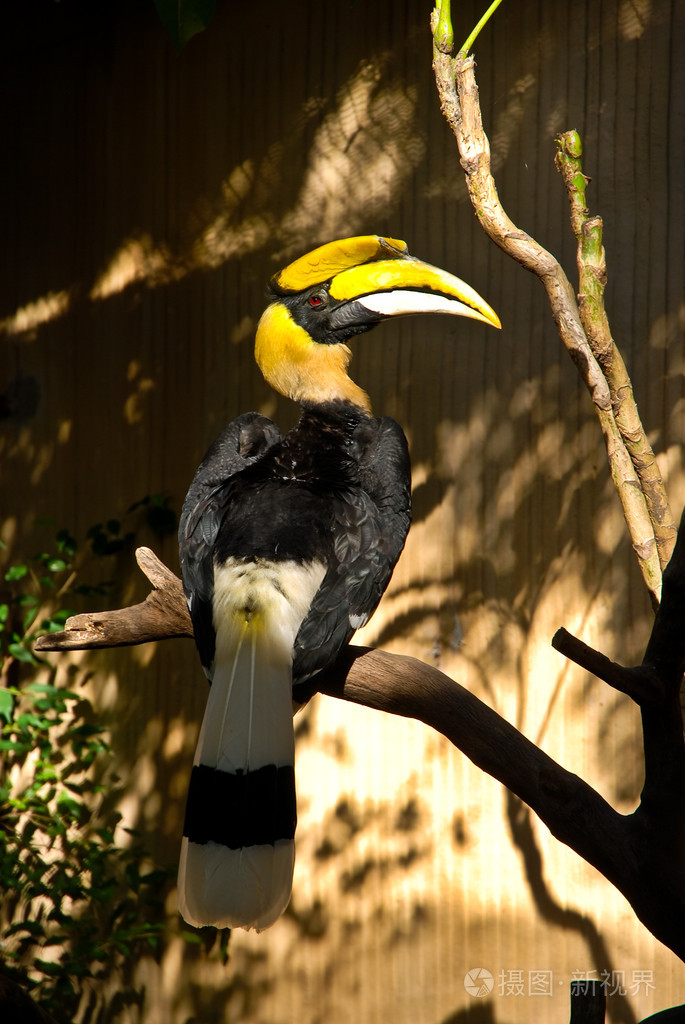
[404, 302]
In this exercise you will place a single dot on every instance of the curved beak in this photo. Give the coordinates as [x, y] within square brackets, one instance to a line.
[401, 287]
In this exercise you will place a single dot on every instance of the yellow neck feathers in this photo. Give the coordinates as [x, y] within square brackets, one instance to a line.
[300, 368]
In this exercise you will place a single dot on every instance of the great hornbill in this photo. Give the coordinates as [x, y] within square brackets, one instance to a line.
[287, 544]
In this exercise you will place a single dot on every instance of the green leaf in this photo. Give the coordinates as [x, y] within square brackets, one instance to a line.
[6, 705]
[56, 565]
[56, 622]
[16, 572]
[86, 730]
[70, 807]
[30, 618]
[48, 968]
[27, 720]
[21, 653]
[30, 927]
[66, 543]
[106, 835]
[46, 688]
[57, 828]
[184, 18]
[12, 745]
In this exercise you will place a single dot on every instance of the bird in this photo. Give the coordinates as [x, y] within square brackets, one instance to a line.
[287, 543]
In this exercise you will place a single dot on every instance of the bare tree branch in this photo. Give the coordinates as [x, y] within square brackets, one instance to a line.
[459, 102]
[591, 283]
[163, 615]
[642, 854]
[640, 683]
[654, 685]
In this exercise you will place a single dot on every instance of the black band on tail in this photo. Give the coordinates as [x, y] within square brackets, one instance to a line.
[248, 809]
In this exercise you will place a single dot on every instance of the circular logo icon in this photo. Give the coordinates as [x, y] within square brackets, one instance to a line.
[479, 982]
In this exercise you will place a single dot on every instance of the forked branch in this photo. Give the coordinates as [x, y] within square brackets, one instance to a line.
[643, 854]
[592, 277]
[163, 615]
[632, 463]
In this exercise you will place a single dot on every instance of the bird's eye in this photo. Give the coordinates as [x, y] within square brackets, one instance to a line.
[317, 300]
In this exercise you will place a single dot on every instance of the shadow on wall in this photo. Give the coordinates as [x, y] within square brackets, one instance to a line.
[477, 1013]
[520, 824]
[514, 516]
[363, 152]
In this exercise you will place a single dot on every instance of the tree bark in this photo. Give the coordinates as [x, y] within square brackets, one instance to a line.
[642, 854]
[646, 510]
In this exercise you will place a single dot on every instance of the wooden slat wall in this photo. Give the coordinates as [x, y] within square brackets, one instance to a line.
[147, 198]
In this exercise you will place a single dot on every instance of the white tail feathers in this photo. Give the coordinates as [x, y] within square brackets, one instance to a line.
[246, 888]
[247, 725]
[238, 850]
[248, 720]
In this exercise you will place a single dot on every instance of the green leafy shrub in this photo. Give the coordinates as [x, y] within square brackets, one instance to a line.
[78, 903]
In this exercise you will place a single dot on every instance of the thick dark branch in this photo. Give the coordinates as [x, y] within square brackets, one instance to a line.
[666, 649]
[625, 848]
[642, 854]
[656, 830]
[639, 683]
[403, 686]
[588, 1002]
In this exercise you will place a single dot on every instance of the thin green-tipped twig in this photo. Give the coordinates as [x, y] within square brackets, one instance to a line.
[441, 25]
[477, 29]
[459, 103]
[443, 33]
[591, 284]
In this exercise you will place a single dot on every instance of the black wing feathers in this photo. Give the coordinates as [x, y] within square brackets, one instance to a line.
[369, 524]
[242, 443]
[336, 489]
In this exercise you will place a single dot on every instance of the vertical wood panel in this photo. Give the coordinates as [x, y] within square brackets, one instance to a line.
[178, 184]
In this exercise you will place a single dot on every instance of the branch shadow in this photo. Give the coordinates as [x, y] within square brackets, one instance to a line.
[480, 1013]
[523, 836]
